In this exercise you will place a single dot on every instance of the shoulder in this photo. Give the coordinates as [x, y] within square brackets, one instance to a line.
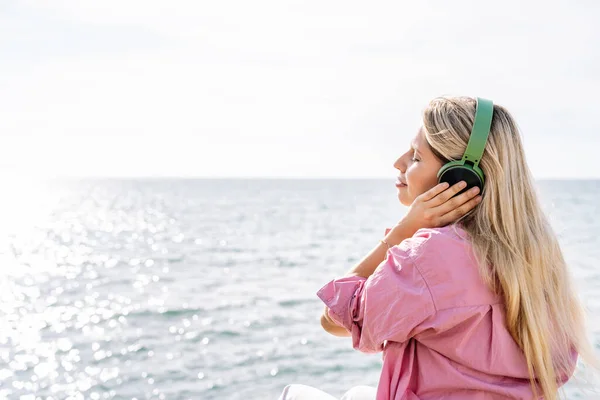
[445, 259]
[437, 250]
[427, 242]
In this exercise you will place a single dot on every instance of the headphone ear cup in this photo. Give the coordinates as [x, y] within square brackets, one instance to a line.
[457, 173]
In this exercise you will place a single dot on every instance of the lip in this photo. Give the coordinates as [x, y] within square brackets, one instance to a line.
[399, 183]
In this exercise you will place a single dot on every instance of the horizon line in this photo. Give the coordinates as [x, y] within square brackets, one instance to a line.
[200, 177]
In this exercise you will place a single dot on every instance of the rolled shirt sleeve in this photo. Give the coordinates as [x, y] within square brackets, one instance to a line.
[389, 305]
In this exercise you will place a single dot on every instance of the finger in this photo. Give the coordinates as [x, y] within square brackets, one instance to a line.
[458, 212]
[448, 194]
[434, 191]
[457, 201]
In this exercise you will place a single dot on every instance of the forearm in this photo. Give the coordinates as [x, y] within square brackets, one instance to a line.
[371, 261]
[365, 269]
[331, 327]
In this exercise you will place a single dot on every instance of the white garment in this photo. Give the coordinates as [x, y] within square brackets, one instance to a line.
[304, 392]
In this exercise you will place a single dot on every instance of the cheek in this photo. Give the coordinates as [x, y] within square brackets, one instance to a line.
[421, 179]
[414, 178]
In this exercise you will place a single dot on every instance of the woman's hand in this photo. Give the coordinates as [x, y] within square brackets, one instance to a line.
[438, 207]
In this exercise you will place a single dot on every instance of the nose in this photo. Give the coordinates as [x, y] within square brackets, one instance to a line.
[400, 164]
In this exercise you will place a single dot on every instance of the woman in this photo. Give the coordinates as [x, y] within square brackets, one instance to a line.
[468, 296]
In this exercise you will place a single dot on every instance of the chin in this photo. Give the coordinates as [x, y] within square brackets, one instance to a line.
[402, 199]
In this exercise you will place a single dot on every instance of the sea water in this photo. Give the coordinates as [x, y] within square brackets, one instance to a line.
[206, 289]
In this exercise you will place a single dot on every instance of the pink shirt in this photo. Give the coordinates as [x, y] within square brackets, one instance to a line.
[441, 329]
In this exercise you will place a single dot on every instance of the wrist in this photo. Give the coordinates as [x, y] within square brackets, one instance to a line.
[399, 232]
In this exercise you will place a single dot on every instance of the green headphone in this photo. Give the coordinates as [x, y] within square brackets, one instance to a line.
[467, 169]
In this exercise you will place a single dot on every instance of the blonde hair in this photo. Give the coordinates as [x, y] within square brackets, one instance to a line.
[518, 252]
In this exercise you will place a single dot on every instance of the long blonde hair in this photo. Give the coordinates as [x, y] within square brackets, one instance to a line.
[518, 252]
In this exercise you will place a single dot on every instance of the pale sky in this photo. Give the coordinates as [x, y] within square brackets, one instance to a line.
[285, 88]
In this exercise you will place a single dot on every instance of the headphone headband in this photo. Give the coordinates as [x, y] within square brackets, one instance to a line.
[479, 134]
